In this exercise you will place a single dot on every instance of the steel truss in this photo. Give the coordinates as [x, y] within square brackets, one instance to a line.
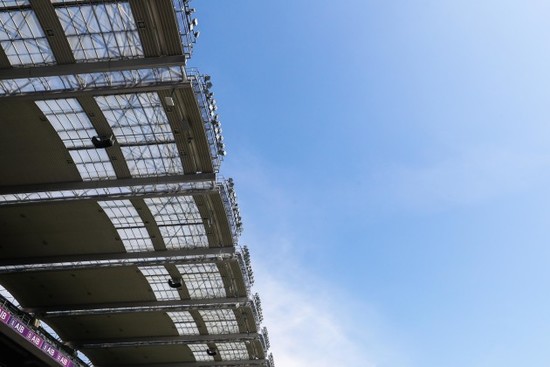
[162, 340]
[60, 263]
[188, 184]
[130, 307]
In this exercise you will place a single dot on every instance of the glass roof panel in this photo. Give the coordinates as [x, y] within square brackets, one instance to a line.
[76, 131]
[10, 3]
[158, 277]
[220, 321]
[93, 164]
[129, 225]
[174, 210]
[153, 160]
[185, 323]
[184, 236]
[136, 118]
[101, 31]
[233, 351]
[23, 40]
[202, 280]
[199, 352]
[179, 221]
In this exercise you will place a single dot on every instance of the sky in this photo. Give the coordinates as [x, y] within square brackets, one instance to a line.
[392, 163]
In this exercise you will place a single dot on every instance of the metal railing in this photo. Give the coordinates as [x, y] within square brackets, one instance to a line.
[243, 258]
[229, 199]
[207, 104]
[186, 25]
[26, 326]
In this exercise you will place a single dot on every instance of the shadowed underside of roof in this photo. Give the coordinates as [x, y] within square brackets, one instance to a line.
[117, 230]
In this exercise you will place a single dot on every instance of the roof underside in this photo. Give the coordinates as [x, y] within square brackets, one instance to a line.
[116, 230]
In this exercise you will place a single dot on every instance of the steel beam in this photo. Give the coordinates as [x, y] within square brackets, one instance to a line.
[121, 182]
[168, 255]
[92, 67]
[130, 307]
[141, 87]
[161, 340]
[187, 184]
[252, 362]
[60, 263]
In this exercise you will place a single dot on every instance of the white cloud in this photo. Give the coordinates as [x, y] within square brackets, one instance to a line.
[311, 319]
[308, 330]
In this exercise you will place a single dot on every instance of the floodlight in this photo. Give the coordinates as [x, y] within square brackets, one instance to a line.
[174, 283]
[103, 141]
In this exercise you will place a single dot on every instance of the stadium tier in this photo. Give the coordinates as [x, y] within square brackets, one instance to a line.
[119, 236]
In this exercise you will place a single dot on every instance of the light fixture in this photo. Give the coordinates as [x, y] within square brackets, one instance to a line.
[103, 141]
[174, 283]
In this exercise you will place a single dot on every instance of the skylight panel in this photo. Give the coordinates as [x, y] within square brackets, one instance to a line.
[129, 225]
[23, 40]
[101, 31]
[76, 131]
[136, 118]
[185, 324]
[199, 352]
[153, 160]
[202, 281]
[233, 351]
[10, 3]
[93, 164]
[184, 236]
[158, 277]
[141, 127]
[179, 221]
[220, 321]
[174, 210]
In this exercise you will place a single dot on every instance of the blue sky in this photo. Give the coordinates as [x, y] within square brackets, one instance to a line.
[392, 164]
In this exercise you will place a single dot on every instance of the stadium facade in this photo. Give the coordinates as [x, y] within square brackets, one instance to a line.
[119, 238]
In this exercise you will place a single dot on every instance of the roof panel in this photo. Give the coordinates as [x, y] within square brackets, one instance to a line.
[233, 351]
[158, 277]
[23, 40]
[202, 281]
[199, 351]
[185, 323]
[76, 131]
[220, 321]
[184, 236]
[101, 31]
[136, 118]
[153, 160]
[128, 224]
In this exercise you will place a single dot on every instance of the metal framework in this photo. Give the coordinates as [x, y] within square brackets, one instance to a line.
[131, 307]
[139, 140]
[157, 341]
[187, 256]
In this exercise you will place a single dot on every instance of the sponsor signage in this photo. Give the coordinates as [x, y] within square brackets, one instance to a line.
[51, 350]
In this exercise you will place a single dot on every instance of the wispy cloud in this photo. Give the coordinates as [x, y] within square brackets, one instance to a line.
[311, 320]
[306, 330]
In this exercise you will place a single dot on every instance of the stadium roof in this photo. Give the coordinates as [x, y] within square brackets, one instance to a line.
[117, 230]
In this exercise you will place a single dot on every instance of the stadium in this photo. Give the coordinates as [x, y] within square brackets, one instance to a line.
[120, 237]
